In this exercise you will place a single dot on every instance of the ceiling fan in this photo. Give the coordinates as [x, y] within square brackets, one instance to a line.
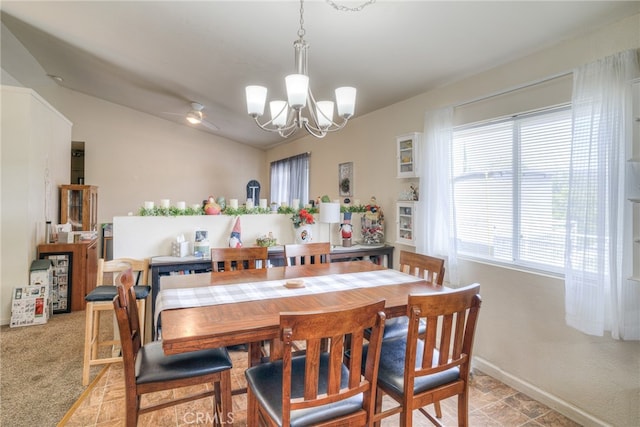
[196, 117]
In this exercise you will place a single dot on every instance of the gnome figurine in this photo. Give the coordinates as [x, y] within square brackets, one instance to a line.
[234, 239]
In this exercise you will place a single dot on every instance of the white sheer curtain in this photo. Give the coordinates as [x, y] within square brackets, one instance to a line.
[599, 296]
[435, 226]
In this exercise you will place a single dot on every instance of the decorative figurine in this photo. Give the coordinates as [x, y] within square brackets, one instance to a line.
[346, 230]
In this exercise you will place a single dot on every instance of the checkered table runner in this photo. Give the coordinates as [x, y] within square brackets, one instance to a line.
[224, 294]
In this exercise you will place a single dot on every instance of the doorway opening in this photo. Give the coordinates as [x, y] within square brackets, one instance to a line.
[77, 162]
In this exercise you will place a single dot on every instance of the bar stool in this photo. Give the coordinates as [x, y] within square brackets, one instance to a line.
[101, 299]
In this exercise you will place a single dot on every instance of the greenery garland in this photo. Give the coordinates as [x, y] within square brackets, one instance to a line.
[242, 210]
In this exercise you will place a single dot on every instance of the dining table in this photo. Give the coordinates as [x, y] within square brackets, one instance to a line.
[209, 310]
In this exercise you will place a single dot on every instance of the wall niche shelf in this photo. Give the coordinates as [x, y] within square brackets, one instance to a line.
[407, 154]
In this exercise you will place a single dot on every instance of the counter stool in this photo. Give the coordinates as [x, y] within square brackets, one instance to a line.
[101, 299]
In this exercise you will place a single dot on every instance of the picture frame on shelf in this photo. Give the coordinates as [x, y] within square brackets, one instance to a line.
[345, 179]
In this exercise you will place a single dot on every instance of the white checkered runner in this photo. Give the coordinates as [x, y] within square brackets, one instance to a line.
[224, 294]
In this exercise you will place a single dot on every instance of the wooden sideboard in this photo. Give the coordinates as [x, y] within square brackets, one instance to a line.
[83, 268]
[166, 265]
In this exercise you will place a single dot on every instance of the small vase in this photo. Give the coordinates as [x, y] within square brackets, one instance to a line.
[303, 234]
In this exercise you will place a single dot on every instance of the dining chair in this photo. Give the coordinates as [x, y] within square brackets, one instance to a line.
[422, 266]
[307, 253]
[238, 258]
[100, 300]
[319, 388]
[416, 371]
[147, 369]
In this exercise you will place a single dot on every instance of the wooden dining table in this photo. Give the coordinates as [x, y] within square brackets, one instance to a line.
[227, 324]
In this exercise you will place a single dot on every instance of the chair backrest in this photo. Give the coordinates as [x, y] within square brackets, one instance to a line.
[424, 266]
[451, 318]
[343, 328]
[308, 253]
[238, 258]
[126, 310]
[139, 267]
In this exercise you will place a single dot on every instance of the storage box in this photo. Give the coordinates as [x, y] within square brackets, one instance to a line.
[179, 249]
[65, 237]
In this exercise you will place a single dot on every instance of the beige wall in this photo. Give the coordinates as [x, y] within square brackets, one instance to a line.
[33, 165]
[133, 157]
[522, 337]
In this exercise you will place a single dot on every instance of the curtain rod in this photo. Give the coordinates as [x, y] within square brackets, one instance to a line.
[513, 89]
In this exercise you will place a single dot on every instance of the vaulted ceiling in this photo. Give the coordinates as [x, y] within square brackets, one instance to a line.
[159, 56]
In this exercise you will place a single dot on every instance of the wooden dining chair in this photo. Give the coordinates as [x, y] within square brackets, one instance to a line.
[307, 253]
[318, 388]
[416, 371]
[238, 258]
[100, 300]
[147, 369]
[423, 266]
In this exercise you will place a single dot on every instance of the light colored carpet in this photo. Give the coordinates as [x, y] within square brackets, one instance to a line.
[41, 370]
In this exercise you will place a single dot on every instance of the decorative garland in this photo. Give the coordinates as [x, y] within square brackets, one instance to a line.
[242, 210]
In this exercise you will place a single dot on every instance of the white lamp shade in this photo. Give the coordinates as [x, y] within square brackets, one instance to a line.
[346, 100]
[330, 213]
[324, 113]
[256, 98]
[297, 88]
[278, 113]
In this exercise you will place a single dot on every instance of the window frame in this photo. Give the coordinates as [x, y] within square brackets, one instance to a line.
[516, 162]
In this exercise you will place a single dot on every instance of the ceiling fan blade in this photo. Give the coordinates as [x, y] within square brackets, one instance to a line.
[209, 125]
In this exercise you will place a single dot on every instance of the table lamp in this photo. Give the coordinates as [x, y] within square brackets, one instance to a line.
[330, 213]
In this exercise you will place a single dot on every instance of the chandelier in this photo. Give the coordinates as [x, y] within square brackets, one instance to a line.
[288, 116]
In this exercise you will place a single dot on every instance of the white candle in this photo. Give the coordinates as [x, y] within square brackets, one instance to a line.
[181, 205]
[233, 203]
[148, 205]
[263, 203]
[249, 204]
[284, 204]
[296, 203]
[164, 203]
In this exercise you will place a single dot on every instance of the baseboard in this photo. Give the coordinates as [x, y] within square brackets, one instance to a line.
[554, 402]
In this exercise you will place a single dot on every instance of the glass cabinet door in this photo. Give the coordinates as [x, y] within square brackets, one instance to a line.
[407, 155]
[79, 207]
[405, 231]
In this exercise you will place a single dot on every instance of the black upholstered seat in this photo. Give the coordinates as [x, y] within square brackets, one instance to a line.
[155, 366]
[396, 327]
[391, 370]
[108, 292]
[266, 382]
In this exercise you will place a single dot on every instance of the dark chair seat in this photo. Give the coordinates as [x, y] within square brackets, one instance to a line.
[155, 366]
[391, 371]
[108, 293]
[266, 382]
[396, 327]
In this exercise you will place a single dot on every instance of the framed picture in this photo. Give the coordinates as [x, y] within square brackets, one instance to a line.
[345, 179]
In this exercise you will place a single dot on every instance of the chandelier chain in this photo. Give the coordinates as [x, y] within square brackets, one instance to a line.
[301, 31]
[342, 8]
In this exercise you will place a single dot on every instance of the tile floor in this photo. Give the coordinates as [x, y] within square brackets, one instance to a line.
[492, 403]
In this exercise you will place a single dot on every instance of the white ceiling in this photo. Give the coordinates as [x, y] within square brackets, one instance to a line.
[158, 56]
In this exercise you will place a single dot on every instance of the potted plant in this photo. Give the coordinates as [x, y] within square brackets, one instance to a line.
[302, 221]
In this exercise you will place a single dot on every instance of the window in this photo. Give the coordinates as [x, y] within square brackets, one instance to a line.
[510, 180]
[290, 179]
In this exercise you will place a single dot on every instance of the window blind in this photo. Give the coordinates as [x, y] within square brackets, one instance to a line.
[510, 181]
